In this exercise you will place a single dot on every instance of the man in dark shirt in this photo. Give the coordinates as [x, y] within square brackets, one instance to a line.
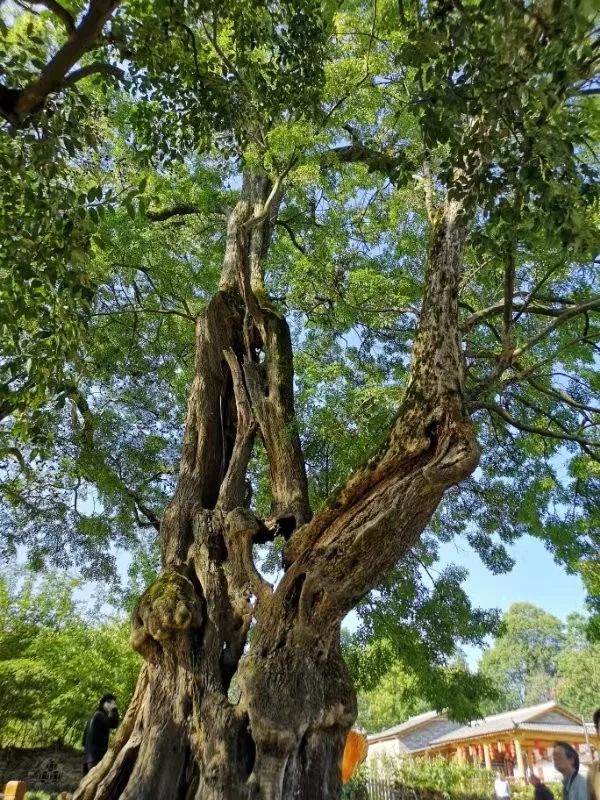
[97, 731]
[540, 790]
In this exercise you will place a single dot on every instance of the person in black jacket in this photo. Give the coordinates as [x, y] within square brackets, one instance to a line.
[97, 731]
[540, 790]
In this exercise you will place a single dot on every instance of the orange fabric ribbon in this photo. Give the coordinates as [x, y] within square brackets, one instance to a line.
[355, 752]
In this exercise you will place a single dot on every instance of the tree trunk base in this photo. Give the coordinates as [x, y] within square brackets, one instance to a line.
[157, 756]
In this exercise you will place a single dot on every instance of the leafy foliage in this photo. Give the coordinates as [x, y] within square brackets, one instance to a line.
[433, 779]
[533, 659]
[427, 776]
[410, 635]
[115, 212]
[391, 701]
[523, 661]
[55, 663]
[578, 676]
[536, 658]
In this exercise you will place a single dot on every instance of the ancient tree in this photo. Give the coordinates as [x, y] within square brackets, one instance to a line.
[490, 90]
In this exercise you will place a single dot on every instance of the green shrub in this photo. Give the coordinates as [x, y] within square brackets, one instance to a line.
[522, 791]
[434, 779]
[438, 775]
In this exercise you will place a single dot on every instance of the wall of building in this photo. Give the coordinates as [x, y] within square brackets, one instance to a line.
[44, 769]
[411, 740]
[385, 748]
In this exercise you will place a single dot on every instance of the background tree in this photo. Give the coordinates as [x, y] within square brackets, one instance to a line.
[578, 675]
[56, 662]
[411, 207]
[401, 693]
[392, 701]
[523, 662]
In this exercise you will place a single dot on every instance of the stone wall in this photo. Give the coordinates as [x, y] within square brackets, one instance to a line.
[44, 769]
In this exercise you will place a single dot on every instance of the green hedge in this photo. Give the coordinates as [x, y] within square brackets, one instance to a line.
[435, 779]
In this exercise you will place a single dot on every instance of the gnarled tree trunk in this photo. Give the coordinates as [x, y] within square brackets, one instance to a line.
[182, 738]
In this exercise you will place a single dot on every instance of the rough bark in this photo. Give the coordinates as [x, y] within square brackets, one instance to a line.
[182, 737]
[333, 561]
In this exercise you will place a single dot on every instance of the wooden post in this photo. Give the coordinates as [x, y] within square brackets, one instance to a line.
[486, 755]
[520, 762]
[587, 738]
[15, 790]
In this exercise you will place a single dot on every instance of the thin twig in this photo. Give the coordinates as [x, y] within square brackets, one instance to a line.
[546, 432]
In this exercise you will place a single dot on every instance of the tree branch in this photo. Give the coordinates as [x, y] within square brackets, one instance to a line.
[542, 412]
[535, 291]
[272, 201]
[15, 104]
[530, 370]
[590, 305]
[428, 185]
[97, 68]
[523, 308]
[88, 434]
[375, 160]
[178, 210]
[233, 490]
[509, 283]
[558, 394]
[292, 235]
[546, 432]
[139, 309]
[377, 517]
[270, 386]
[65, 16]
[153, 520]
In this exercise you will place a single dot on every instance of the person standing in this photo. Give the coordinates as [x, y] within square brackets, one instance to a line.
[566, 761]
[97, 731]
[593, 776]
[501, 787]
[540, 790]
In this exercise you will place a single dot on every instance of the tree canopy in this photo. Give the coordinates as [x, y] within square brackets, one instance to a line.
[128, 135]
[523, 663]
[534, 658]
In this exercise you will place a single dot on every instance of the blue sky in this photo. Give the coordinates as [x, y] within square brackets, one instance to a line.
[535, 578]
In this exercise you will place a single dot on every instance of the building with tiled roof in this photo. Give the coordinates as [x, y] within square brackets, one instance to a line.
[515, 742]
